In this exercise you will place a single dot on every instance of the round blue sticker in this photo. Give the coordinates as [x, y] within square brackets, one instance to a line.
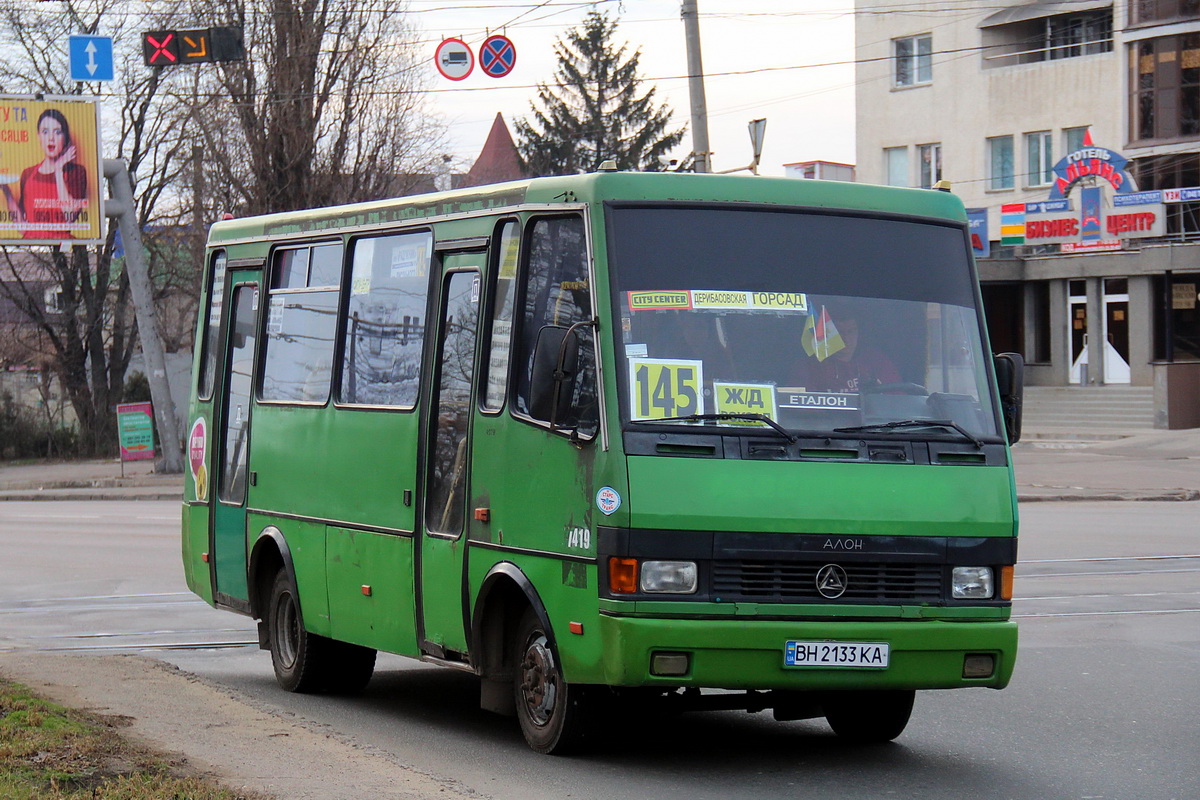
[607, 500]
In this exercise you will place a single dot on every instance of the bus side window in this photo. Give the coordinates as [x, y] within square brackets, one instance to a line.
[385, 320]
[558, 293]
[503, 301]
[212, 331]
[301, 320]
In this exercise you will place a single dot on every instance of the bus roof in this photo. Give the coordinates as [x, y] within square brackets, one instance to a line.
[599, 187]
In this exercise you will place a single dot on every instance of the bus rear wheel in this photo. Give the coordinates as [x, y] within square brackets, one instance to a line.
[305, 662]
[555, 716]
[868, 717]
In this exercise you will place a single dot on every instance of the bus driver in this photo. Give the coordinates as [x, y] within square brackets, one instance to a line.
[850, 368]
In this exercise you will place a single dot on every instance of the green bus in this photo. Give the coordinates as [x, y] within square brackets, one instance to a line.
[675, 440]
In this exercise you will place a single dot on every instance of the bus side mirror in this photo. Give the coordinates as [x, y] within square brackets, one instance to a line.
[1010, 380]
[555, 361]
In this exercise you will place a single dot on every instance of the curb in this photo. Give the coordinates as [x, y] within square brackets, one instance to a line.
[1098, 495]
[59, 494]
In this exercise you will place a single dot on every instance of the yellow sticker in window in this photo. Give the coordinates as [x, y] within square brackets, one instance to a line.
[661, 388]
[745, 398]
[658, 301]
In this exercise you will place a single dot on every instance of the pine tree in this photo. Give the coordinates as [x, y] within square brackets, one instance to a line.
[593, 111]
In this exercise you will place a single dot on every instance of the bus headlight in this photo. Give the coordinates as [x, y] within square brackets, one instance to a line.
[668, 577]
[972, 583]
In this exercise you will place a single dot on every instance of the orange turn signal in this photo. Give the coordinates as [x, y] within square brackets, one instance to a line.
[1006, 583]
[622, 575]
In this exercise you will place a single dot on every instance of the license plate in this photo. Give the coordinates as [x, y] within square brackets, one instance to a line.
[836, 654]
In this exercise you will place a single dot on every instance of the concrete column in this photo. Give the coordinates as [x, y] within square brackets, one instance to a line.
[1095, 315]
[1142, 320]
[1029, 326]
[1060, 334]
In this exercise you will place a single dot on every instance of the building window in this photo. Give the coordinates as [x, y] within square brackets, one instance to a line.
[1039, 155]
[1175, 171]
[1049, 38]
[930, 162]
[1151, 11]
[1000, 162]
[52, 300]
[895, 165]
[913, 59]
[1039, 349]
[1073, 138]
[1082, 35]
[1165, 88]
[1177, 327]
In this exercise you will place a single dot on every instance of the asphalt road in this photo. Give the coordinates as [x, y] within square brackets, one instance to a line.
[1105, 702]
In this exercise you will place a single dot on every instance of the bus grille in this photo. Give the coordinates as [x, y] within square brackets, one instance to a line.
[790, 582]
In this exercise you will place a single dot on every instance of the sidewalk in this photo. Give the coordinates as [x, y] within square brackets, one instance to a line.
[99, 479]
[1139, 465]
[1060, 465]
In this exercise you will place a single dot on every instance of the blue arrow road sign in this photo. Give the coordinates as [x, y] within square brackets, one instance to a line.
[497, 56]
[91, 58]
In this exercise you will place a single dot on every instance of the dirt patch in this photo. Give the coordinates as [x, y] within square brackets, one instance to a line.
[218, 734]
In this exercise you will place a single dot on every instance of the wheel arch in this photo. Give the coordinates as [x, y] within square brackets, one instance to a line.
[504, 595]
[269, 554]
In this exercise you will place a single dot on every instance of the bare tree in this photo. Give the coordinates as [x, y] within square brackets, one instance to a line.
[327, 107]
[91, 335]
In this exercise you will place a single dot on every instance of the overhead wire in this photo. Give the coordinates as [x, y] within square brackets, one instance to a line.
[553, 8]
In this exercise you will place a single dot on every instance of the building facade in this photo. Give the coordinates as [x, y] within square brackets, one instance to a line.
[1071, 128]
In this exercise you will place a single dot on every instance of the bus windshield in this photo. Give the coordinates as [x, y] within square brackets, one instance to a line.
[820, 322]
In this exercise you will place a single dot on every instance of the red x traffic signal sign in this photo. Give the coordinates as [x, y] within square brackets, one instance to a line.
[171, 48]
[160, 48]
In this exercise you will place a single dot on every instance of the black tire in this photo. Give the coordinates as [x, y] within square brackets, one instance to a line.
[556, 717]
[868, 717]
[351, 667]
[305, 662]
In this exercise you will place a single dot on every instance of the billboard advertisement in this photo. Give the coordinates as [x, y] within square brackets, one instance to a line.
[49, 171]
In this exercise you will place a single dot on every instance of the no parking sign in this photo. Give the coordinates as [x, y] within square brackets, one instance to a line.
[497, 56]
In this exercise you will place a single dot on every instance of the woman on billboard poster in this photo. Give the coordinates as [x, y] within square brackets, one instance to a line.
[53, 191]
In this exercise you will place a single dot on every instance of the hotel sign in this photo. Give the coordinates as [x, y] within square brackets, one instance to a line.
[1089, 161]
[1087, 222]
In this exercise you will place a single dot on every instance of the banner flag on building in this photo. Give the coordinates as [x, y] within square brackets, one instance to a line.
[977, 223]
[1012, 224]
[1090, 210]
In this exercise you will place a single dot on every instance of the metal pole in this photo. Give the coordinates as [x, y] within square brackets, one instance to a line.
[691, 31]
[122, 207]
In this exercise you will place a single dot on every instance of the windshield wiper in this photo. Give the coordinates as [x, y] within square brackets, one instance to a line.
[915, 423]
[782, 431]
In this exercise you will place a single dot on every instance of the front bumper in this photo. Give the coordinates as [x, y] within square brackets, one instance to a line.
[749, 654]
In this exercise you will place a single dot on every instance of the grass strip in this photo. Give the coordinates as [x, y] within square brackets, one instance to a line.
[55, 753]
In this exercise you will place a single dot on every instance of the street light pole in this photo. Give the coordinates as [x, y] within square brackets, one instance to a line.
[122, 206]
[691, 31]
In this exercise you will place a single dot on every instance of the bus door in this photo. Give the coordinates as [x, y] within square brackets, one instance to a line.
[448, 456]
[232, 441]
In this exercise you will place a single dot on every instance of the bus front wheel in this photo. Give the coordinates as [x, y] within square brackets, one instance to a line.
[555, 716]
[305, 662]
[868, 717]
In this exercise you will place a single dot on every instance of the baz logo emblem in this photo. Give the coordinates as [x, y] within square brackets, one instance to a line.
[831, 581]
